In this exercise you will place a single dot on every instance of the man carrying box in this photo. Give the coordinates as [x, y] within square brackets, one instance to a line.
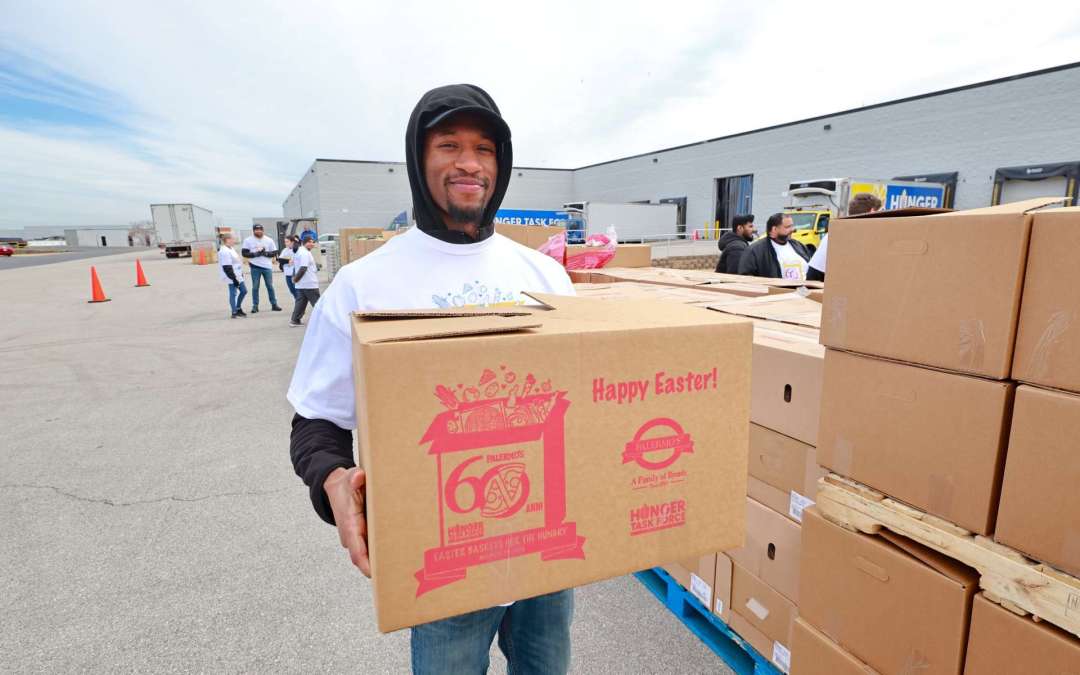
[459, 159]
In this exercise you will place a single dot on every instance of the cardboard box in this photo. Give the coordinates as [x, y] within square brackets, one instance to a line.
[356, 242]
[770, 649]
[787, 465]
[813, 653]
[721, 605]
[533, 236]
[894, 604]
[933, 439]
[696, 575]
[1049, 329]
[1003, 643]
[358, 248]
[785, 392]
[777, 500]
[783, 307]
[769, 613]
[773, 549]
[632, 289]
[694, 278]
[626, 255]
[541, 449]
[917, 288]
[1040, 502]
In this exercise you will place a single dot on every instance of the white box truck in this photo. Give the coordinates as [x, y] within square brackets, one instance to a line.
[180, 225]
[632, 222]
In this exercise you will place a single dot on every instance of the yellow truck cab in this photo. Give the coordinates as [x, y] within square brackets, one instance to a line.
[811, 224]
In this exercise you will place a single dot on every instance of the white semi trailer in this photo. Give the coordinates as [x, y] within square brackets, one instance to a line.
[180, 225]
[632, 222]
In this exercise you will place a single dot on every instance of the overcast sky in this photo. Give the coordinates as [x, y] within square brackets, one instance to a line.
[106, 107]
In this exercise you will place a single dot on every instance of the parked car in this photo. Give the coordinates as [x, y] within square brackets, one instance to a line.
[6, 250]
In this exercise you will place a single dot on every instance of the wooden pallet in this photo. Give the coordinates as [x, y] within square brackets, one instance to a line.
[1007, 577]
[736, 652]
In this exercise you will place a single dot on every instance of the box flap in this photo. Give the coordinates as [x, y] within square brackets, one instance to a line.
[395, 314]
[1024, 206]
[897, 213]
[953, 569]
[787, 308]
[380, 326]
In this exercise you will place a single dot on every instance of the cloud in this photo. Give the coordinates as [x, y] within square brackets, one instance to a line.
[108, 107]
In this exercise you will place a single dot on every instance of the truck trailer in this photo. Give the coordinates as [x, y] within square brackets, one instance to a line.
[813, 203]
[180, 225]
[632, 222]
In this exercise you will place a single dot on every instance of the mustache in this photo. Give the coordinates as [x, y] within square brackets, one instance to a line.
[484, 181]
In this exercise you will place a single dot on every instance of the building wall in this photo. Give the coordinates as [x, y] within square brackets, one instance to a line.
[114, 238]
[1028, 120]
[1025, 121]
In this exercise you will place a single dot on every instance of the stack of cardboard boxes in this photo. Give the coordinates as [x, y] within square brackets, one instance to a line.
[921, 401]
[356, 242]
[755, 588]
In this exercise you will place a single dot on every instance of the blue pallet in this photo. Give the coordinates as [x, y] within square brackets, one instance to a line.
[717, 636]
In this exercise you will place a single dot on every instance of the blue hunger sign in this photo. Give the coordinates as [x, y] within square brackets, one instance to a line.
[531, 217]
[906, 196]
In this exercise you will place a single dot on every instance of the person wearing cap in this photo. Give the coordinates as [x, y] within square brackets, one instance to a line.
[305, 278]
[459, 158]
[260, 251]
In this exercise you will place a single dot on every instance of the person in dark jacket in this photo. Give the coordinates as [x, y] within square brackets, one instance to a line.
[733, 242]
[459, 158]
[776, 256]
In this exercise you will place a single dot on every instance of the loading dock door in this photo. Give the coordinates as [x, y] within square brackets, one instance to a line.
[734, 197]
[1015, 183]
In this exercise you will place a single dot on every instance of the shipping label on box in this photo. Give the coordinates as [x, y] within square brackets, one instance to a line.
[533, 451]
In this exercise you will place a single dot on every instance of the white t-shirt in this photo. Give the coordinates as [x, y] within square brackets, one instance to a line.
[792, 265]
[229, 258]
[303, 258]
[411, 271]
[286, 254]
[817, 261]
[265, 243]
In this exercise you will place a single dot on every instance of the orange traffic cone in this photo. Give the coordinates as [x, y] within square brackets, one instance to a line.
[140, 278]
[202, 256]
[96, 294]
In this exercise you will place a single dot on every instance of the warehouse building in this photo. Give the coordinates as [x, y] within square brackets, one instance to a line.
[995, 141]
[109, 236]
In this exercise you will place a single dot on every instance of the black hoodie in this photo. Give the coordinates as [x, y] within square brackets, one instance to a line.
[434, 106]
[731, 249]
[318, 447]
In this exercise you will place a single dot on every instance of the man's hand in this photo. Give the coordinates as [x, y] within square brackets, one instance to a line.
[345, 490]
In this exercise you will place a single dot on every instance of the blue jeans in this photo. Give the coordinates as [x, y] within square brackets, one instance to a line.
[291, 285]
[236, 296]
[534, 635]
[258, 274]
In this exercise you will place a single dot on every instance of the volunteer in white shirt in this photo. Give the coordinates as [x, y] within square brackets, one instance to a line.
[777, 255]
[305, 279]
[260, 251]
[285, 260]
[459, 160]
[231, 270]
[818, 261]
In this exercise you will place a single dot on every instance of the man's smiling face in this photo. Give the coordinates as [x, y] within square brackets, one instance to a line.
[460, 167]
